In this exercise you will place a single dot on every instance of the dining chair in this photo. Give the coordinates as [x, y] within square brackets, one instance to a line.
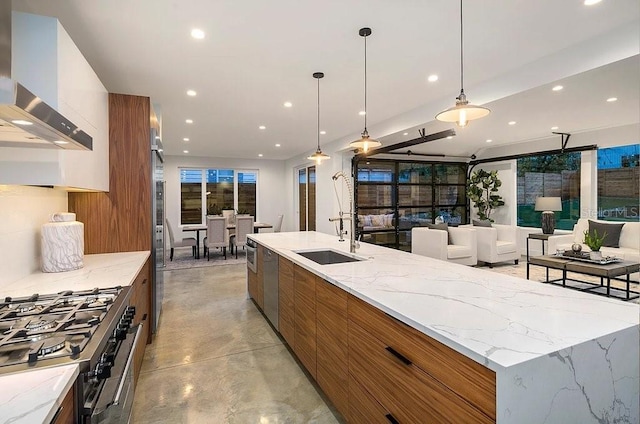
[217, 235]
[185, 242]
[278, 226]
[244, 226]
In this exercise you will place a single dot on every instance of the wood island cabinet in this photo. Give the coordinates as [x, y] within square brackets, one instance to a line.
[371, 366]
[286, 305]
[305, 318]
[66, 411]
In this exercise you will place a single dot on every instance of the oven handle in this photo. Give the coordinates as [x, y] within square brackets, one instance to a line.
[129, 364]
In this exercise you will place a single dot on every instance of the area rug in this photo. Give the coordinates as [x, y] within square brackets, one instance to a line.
[183, 259]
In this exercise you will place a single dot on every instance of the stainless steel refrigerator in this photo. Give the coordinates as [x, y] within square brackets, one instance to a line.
[158, 211]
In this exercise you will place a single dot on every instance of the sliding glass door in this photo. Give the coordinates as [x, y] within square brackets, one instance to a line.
[306, 183]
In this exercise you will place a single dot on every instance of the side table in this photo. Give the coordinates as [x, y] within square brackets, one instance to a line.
[537, 236]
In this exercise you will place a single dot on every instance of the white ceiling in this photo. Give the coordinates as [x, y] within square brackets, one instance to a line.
[258, 54]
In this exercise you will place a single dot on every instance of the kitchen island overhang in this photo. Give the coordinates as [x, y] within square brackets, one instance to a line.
[558, 355]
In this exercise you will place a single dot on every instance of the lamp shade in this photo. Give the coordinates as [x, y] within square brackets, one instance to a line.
[548, 204]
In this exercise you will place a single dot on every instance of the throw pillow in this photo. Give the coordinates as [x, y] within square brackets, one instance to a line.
[377, 220]
[612, 238]
[481, 223]
[444, 227]
[367, 221]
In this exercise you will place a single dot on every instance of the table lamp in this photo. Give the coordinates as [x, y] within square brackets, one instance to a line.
[548, 205]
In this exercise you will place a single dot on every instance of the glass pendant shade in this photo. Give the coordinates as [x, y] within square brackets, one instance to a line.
[365, 143]
[318, 156]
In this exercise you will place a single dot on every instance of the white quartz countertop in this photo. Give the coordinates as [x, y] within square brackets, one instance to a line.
[496, 320]
[35, 396]
[102, 271]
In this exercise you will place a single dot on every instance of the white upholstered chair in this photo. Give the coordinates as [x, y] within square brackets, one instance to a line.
[244, 226]
[434, 244]
[217, 235]
[498, 243]
[185, 242]
[278, 226]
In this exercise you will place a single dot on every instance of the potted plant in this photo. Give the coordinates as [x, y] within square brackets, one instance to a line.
[482, 189]
[594, 241]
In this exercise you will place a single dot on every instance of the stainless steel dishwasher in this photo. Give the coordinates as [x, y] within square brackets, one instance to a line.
[270, 266]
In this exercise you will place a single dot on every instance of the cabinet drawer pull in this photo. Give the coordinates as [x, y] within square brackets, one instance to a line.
[144, 317]
[391, 419]
[398, 355]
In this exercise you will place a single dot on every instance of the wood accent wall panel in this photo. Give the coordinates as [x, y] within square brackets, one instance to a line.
[305, 318]
[286, 303]
[332, 344]
[468, 379]
[121, 220]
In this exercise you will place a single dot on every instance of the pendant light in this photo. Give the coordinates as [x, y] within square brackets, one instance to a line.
[318, 156]
[462, 112]
[365, 143]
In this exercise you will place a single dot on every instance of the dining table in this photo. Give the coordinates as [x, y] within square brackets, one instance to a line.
[257, 226]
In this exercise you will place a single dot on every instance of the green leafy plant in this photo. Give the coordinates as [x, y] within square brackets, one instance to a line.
[482, 189]
[594, 240]
[214, 210]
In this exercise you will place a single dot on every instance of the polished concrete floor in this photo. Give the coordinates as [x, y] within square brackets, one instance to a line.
[216, 360]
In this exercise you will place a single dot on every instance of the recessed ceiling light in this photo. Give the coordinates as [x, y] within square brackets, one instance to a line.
[189, 121]
[512, 122]
[191, 93]
[262, 127]
[185, 139]
[61, 142]
[612, 99]
[185, 151]
[591, 2]
[489, 140]
[405, 133]
[449, 137]
[554, 127]
[21, 122]
[288, 104]
[323, 132]
[260, 155]
[362, 113]
[197, 33]
[278, 145]
[432, 78]
[557, 88]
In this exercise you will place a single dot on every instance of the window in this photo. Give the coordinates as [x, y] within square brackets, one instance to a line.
[209, 191]
[618, 180]
[394, 196]
[307, 199]
[549, 176]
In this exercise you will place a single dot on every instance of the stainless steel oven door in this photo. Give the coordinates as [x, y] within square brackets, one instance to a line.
[115, 402]
[252, 260]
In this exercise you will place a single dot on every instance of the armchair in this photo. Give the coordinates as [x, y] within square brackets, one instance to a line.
[498, 243]
[434, 244]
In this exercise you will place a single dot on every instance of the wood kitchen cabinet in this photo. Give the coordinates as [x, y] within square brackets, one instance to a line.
[286, 303]
[140, 298]
[332, 337]
[412, 376]
[305, 318]
[66, 411]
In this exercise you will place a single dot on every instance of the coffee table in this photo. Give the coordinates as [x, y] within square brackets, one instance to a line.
[605, 272]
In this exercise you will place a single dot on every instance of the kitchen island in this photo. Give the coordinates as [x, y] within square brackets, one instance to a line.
[36, 396]
[534, 352]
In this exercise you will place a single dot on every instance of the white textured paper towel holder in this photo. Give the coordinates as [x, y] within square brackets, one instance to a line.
[62, 246]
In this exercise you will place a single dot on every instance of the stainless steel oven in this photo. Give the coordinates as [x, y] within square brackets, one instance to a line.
[252, 255]
[114, 402]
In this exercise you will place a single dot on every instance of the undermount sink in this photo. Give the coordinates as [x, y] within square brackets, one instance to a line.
[327, 256]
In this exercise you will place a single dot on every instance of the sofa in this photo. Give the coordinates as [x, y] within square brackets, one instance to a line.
[377, 222]
[629, 241]
[458, 245]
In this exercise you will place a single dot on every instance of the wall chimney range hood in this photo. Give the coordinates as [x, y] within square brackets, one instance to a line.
[25, 119]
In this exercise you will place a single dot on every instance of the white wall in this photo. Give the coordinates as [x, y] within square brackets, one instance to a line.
[23, 210]
[508, 190]
[271, 186]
